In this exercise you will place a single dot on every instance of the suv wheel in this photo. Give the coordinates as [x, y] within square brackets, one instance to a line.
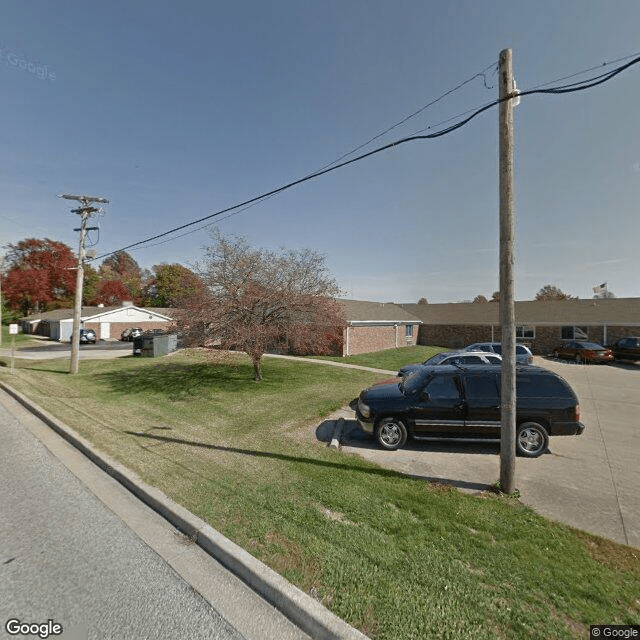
[391, 434]
[532, 440]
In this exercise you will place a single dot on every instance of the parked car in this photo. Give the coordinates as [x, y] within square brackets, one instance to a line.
[129, 334]
[583, 352]
[523, 353]
[87, 336]
[455, 357]
[464, 403]
[626, 348]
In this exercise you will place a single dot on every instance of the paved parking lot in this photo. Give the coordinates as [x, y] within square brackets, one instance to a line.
[590, 481]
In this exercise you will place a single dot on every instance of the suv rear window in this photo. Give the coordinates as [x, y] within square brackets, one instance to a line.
[483, 386]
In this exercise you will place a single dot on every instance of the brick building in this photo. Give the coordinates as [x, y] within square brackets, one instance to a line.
[541, 325]
[374, 326]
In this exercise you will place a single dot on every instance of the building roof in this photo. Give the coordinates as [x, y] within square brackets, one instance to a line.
[603, 311]
[88, 313]
[361, 311]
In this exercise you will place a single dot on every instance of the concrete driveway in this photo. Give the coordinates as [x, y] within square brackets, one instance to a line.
[591, 481]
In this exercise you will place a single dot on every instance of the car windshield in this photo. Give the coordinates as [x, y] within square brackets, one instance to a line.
[413, 382]
[439, 357]
[590, 345]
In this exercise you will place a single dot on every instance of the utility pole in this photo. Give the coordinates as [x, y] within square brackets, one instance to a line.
[507, 284]
[85, 211]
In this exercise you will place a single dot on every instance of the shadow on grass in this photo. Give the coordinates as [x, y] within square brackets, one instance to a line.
[268, 454]
[186, 380]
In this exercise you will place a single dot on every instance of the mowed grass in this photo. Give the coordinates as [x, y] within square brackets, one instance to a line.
[390, 359]
[399, 558]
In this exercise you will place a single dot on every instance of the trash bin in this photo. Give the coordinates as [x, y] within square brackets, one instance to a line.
[138, 343]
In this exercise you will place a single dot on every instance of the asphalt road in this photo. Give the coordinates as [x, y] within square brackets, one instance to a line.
[78, 549]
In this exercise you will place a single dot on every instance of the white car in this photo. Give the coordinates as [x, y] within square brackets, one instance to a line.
[455, 357]
[523, 353]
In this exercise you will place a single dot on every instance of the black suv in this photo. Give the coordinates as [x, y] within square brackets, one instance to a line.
[450, 402]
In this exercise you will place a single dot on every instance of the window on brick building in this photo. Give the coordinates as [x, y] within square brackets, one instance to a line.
[573, 333]
[408, 330]
[524, 331]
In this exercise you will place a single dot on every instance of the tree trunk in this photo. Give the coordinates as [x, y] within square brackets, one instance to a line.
[257, 368]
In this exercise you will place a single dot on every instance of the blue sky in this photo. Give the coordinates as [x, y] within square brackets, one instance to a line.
[174, 110]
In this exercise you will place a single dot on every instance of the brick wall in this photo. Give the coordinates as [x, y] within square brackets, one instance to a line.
[546, 338]
[376, 338]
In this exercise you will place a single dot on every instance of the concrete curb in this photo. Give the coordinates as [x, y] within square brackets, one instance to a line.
[308, 614]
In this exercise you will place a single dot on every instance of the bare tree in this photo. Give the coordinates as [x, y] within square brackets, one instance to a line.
[258, 300]
[480, 299]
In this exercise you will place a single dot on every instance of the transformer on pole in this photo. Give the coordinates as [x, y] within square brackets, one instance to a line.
[85, 210]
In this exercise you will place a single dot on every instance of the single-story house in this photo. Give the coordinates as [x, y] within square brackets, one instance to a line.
[107, 322]
[541, 325]
[374, 326]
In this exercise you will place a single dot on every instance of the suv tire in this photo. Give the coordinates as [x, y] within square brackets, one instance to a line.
[391, 434]
[532, 440]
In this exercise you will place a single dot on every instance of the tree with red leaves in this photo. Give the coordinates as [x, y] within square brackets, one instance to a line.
[41, 275]
[122, 267]
[258, 300]
[111, 293]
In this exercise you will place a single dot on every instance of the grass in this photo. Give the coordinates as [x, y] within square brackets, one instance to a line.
[21, 339]
[398, 558]
[390, 359]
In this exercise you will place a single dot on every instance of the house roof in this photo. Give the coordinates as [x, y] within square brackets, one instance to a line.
[604, 311]
[89, 313]
[361, 311]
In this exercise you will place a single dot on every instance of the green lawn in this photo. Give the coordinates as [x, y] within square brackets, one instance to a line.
[391, 359]
[21, 339]
[398, 558]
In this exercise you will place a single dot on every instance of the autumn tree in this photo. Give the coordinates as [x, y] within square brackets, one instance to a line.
[550, 292]
[122, 267]
[171, 284]
[111, 293]
[258, 300]
[41, 275]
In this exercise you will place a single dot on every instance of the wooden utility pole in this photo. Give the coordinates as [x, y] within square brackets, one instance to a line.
[85, 211]
[507, 285]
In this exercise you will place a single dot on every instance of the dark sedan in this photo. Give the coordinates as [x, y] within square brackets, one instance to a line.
[583, 352]
[627, 348]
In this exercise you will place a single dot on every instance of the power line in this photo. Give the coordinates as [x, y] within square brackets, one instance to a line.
[561, 89]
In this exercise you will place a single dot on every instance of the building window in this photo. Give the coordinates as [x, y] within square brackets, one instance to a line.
[408, 330]
[574, 333]
[524, 331]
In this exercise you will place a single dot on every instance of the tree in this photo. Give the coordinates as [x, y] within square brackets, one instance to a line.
[111, 293]
[423, 301]
[480, 299]
[495, 296]
[171, 284]
[41, 275]
[120, 266]
[258, 300]
[550, 292]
